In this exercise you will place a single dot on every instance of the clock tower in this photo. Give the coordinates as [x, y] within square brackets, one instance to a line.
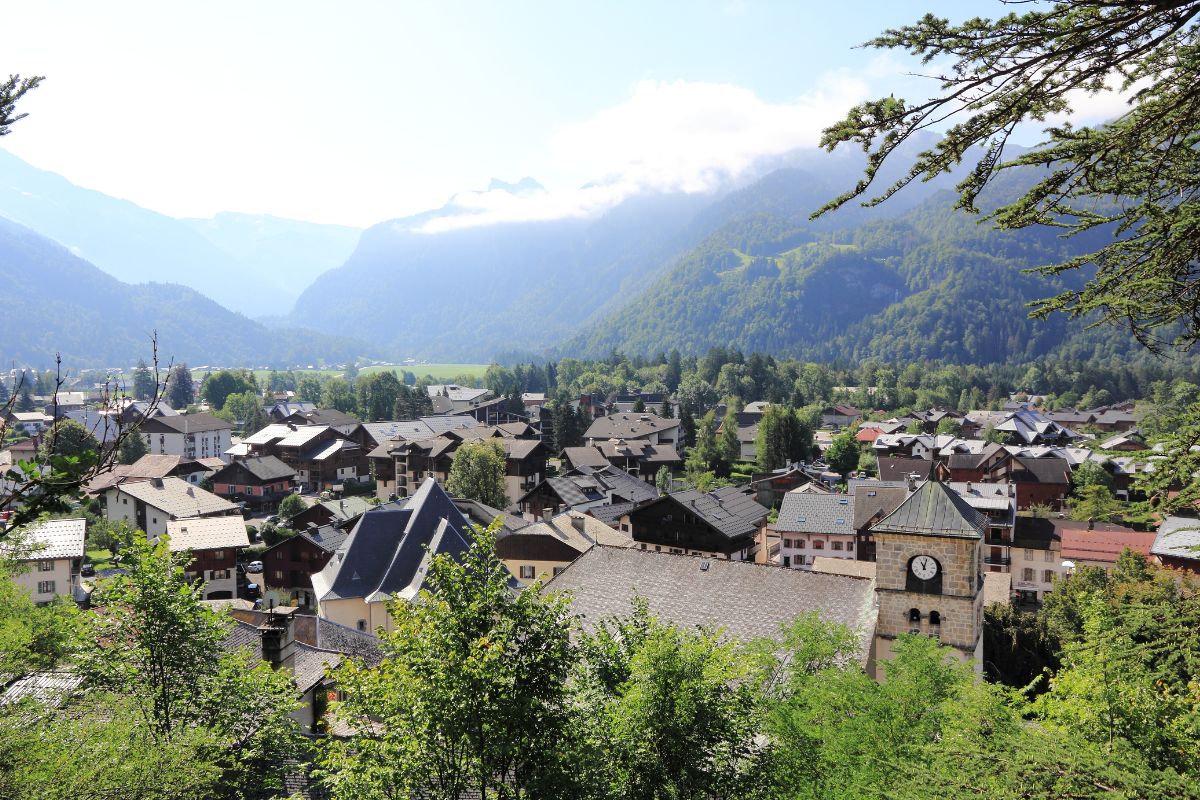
[927, 579]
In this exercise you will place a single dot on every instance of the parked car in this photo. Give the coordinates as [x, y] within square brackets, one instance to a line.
[252, 591]
[273, 519]
[254, 566]
[87, 571]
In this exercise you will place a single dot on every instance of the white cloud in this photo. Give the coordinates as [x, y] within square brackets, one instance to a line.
[676, 136]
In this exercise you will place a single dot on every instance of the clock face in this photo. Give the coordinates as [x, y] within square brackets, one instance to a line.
[924, 567]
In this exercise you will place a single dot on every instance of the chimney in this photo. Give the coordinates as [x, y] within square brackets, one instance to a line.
[911, 478]
[547, 514]
[1091, 524]
[578, 523]
[278, 640]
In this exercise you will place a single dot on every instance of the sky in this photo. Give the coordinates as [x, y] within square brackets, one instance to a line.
[360, 112]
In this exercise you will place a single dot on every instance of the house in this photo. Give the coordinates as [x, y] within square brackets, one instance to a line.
[651, 401]
[1100, 544]
[997, 502]
[1036, 558]
[811, 525]
[386, 554]
[149, 466]
[31, 422]
[331, 512]
[902, 469]
[1130, 440]
[971, 463]
[274, 641]
[1177, 544]
[1112, 420]
[53, 552]
[453, 398]
[1039, 481]
[747, 425]
[636, 457]
[338, 420]
[724, 522]
[187, 435]
[873, 500]
[288, 565]
[214, 543]
[259, 481]
[280, 410]
[745, 601]
[321, 456]
[647, 427]
[1027, 426]
[542, 550]
[839, 416]
[584, 489]
[770, 487]
[149, 505]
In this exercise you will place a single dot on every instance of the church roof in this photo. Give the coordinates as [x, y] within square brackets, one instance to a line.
[934, 510]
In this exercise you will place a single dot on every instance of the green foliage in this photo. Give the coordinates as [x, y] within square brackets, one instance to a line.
[68, 438]
[477, 473]
[705, 454]
[180, 391]
[782, 438]
[1089, 473]
[1095, 502]
[218, 386]
[729, 446]
[412, 403]
[842, 453]
[308, 388]
[152, 641]
[377, 395]
[663, 479]
[132, 447]
[474, 694]
[339, 394]
[291, 505]
[246, 408]
[144, 385]
[31, 636]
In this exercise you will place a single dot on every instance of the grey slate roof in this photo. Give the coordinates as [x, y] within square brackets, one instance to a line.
[729, 509]
[629, 426]
[1178, 537]
[585, 457]
[747, 600]
[934, 510]
[267, 468]
[389, 548]
[1046, 470]
[874, 499]
[308, 662]
[327, 537]
[805, 512]
[611, 514]
[894, 468]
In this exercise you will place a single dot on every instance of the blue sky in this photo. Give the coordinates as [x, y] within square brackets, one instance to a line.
[359, 112]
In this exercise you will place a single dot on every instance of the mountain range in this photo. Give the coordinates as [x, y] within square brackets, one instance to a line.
[742, 266]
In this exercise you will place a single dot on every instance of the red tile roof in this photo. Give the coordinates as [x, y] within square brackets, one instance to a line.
[1105, 543]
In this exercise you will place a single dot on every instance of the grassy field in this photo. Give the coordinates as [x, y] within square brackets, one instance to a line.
[439, 372]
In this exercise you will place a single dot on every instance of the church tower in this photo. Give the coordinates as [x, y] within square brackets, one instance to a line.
[928, 579]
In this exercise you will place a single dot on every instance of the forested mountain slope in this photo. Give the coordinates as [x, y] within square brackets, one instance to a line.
[58, 303]
[932, 283]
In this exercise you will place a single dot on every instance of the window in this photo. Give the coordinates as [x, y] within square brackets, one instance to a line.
[676, 550]
[45, 566]
[1027, 574]
[362, 624]
[1048, 576]
[787, 542]
[526, 572]
[800, 543]
[935, 618]
[558, 570]
[914, 616]
[818, 544]
[836, 545]
[625, 528]
[218, 553]
[1047, 556]
[279, 575]
[850, 546]
[45, 587]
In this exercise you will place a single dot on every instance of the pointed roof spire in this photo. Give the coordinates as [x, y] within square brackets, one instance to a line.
[934, 510]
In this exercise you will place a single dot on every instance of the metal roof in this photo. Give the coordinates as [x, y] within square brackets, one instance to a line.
[934, 510]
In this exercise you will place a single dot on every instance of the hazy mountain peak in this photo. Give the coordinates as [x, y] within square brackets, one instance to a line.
[526, 185]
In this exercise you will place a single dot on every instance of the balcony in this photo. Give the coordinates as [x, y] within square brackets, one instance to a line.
[1002, 560]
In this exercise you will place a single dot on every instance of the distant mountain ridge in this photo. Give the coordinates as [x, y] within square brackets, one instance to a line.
[254, 265]
[57, 303]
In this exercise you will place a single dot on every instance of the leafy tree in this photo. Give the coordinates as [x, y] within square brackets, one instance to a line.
[1095, 502]
[687, 428]
[246, 408]
[308, 388]
[949, 426]
[477, 473]
[696, 395]
[218, 386]
[144, 385]
[842, 455]
[993, 436]
[867, 460]
[132, 448]
[705, 454]
[412, 403]
[66, 437]
[729, 446]
[180, 391]
[782, 438]
[281, 381]
[474, 696]
[1019, 648]
[1089, 473]
[290, 506]
[377, 394]
[32, 637]
[678, 711]
[339, 394]
[663, 479]
[153, 641]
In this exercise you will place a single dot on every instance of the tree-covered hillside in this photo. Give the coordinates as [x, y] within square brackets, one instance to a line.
[57, 303]
[931, 284]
